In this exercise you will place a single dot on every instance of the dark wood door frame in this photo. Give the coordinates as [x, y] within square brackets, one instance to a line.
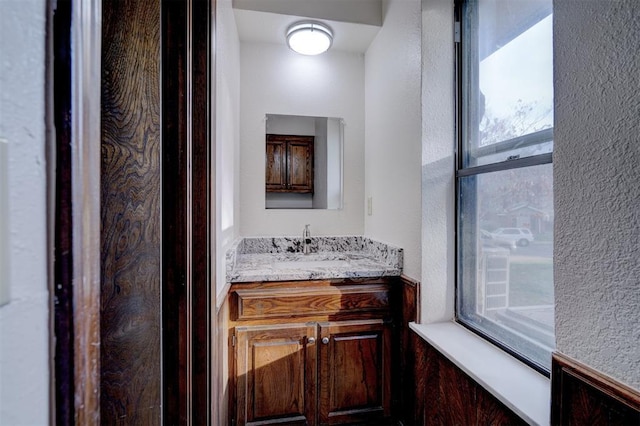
[187, 64]
[73, 159]
[73, 97]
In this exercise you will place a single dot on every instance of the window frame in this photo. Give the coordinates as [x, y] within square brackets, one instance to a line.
[464, 122]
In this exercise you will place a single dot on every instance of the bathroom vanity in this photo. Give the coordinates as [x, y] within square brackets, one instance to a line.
[312, 335]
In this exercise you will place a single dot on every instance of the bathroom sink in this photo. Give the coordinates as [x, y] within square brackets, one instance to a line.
[310, 264]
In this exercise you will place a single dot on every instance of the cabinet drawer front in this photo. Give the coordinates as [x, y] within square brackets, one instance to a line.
[291, 302]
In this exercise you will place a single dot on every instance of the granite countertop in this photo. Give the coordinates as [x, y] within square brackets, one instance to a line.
[281, 259]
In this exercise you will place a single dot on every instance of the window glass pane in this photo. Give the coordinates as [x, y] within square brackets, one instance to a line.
[505, 269]
[508, 77]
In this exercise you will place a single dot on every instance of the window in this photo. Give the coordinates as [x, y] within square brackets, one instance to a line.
[504, 178]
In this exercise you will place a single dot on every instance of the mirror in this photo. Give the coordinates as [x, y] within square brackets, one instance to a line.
[303, 162]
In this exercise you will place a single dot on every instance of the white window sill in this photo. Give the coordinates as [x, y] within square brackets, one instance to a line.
[515, 384]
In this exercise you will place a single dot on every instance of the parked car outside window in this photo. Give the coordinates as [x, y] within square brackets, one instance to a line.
[516, 236]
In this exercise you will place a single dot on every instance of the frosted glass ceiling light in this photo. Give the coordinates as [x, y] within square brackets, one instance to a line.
[309, 38]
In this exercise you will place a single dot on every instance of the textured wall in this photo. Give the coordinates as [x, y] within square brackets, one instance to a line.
[24, 326]
[438, 135]
[392, 132]
[597, 184]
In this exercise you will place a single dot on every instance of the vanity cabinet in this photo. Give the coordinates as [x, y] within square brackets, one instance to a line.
[311, 352]
[289, 164]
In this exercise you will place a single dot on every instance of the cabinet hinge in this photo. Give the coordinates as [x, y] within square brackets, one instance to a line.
[233, 340]
[456, 31]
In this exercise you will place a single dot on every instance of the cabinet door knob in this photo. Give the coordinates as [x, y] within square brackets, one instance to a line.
[311, 340]
[325, 340]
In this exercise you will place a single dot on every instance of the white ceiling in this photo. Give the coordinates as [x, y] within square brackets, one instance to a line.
[354, 23]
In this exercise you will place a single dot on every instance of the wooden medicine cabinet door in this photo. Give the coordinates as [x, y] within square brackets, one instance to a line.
[289, 163]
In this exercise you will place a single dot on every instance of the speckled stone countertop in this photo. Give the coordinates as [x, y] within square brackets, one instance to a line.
[281, 259]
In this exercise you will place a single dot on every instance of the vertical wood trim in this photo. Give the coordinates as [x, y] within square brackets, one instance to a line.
[190, 199]
[86, 63]
[131, 227]
[406, 299]
[203, 297]
[62, 288]
[75, 116]
[222, 365]
[218, 341]
[189, 325]
[174, 216]
[51, 170]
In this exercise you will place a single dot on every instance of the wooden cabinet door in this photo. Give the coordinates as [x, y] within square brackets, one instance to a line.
[355, 370]
[289, 163]
[276, 375]
[300, 165]
[276, 165]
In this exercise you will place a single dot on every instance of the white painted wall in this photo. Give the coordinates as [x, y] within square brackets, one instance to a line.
[597, 184]
[275, 80]
[24, 322]
[227, 137]
[393, 132]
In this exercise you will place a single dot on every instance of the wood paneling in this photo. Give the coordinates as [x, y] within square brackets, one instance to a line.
[445, 395]
[434, 390]
[581, 396]
[493, 412]
[130, 199]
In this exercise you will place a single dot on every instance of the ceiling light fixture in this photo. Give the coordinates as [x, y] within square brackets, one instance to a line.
[309, 37]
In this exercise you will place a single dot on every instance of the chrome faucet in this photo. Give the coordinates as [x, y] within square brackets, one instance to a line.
[306, 239]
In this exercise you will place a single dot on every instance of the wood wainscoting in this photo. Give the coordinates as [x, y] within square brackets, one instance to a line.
[445, 395]
[583, 396]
